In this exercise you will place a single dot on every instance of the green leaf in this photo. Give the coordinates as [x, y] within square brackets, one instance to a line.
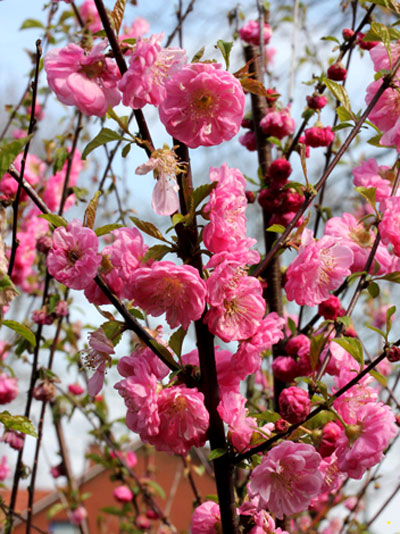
[113, 331]
[113, 510]
[274, 140]
[268, 416]
[55, 220]
[353, 346]
[216, 453]
[163, 350]
[126, 150]
[202, 192]
[136, 313]
[176, 341]
[317, 343]
[373, 289]
[343, 114]
[156, 252]
[319, 420]
[104, 136]
[393, 5]
[21, 330]
[148, 228]
[117, 14]
[198, 55]
[225, 47]
[368, 193]
[178, 218]
[60, 157]
[156, 487]
[340, 93]
[377, 330]
[375, 140]
[19, 423]
[391, 277]
[382, 380]
[56, 509]
[277, 228]
[383, 35]
[292, 326]
[10, 151]
[330, 38]
[7, 283]
[345, 320]
[91, 210]
[107, 228]
[389, 314]
[31, 23]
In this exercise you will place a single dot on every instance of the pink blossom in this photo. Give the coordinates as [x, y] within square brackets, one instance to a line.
[294, 404]
[250, 33]
[328, 443]
[139, 392]
[55, 184]
[75, 389]
[5, 471]
[127, 364]
[362, 445]
[249, 141]
[241, 312]
[352, 234]
[129, 457]
[78, 515]
[287, 478]
[370, 174]
[316, 101]
[95, 294]
[331, 308]
[278, 123]
[164, 164]
[386, 112]
[390, 224]
[14, 439]
[206, 518]
[98, 357]
[8, 388]
[204, 105]
[73, 259]
[122, 494]
[318, 136]
[226, 231]
[149, 68]
[337, 71]
[335, 526]
[88, 82]
[138, 28]
[90, 16]
[319, 268]
[247, 359]
[183, 420]
[126, 255]
[34, 170]
[176, 290]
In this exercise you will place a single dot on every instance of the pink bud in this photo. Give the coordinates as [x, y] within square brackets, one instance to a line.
[337, 72]
[122, 494]
[294, 404]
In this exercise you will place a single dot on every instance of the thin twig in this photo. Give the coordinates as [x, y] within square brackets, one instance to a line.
[179, 25]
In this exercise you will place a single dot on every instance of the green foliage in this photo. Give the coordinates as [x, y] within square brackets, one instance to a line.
[353, 346]
[148, 228]
[21, 330]
[106, 135]
[225, 49]
[18, 423]
[10, 151]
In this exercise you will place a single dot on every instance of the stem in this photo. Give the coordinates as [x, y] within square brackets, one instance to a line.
[31, 127]
[179, 25]
[69, 164]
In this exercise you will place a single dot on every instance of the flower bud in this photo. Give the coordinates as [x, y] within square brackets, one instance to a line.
[337, 72]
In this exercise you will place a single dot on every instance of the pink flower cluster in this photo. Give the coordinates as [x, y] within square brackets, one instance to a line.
[172, 419]
[87, 81]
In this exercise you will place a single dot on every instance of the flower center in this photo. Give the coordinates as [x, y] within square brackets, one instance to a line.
[94, 70]
[361, 236]
[73, 256]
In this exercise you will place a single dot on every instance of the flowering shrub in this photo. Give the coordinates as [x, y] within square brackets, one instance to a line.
[290, 407]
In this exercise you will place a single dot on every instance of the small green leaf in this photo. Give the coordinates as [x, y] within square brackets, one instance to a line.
[60, 157]
[353, 346]
[31, 23]
[379, 32]
[343, 114]
[164, 351]
[176, 340]
[148, 228]
[55, 220]
[156, 487]
[317, 343]
[216, 453]
[10, 151]
[368, 193]
[292, 326]
[198, 55]
[113, 331]
[377, 330]
[330, 38]
[56, 509]
[382, 380]
[21, 330]
[268, 416]
[393, 5]
[156, 252]
[373, 289]
[136, 313]
[113, 510]
[126, 150]
[340, 93]
[225, 48]
[202, 192]
[319, 420]
[19, 423]
[391, 277]
[106, 229]
[277, 228]
[389, 313]
[345, 320]
[178, 218]
[104, 136]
